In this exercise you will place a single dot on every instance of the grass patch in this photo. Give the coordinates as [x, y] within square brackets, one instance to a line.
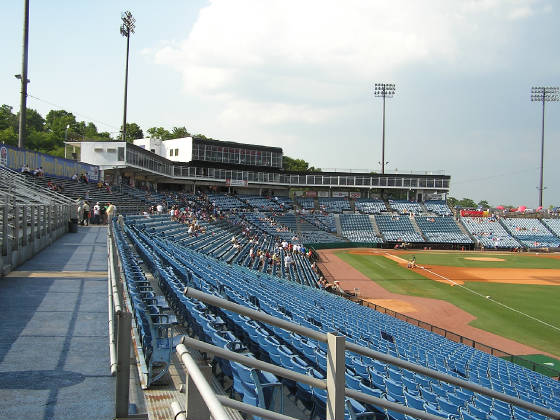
[457, 259]
[536, 300]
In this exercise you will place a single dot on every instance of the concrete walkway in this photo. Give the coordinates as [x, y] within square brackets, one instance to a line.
[54, 346]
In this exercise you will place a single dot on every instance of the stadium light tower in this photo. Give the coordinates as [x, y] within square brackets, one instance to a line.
[127, 28]
[23, 77]
[543, 94]
[383, 90]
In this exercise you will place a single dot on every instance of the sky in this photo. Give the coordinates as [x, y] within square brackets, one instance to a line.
[300, 75]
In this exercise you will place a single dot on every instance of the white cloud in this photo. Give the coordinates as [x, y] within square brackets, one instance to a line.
[276, 61]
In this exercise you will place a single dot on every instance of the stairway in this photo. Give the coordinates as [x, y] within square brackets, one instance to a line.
[417, 229]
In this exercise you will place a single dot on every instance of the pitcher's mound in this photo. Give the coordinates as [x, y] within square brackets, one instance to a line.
[484, 259]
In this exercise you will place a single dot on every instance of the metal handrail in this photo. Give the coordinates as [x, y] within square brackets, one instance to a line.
[212, 402]
[260, 316]
[298, 377]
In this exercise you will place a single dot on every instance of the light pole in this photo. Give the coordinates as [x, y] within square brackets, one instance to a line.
[23, 77]
[127, 28]
[383, 90]
[543, 94]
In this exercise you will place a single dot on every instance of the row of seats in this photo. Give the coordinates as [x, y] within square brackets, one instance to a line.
[358, 228]
[370, 206]
[442, 229]
[334, 204]
[151, 313]
[406, 207]
[531, 232]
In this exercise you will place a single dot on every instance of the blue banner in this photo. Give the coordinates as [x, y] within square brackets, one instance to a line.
[15, 158]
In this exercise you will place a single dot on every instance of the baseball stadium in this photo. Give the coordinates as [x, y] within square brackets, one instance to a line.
[169, 275]
[243, 290]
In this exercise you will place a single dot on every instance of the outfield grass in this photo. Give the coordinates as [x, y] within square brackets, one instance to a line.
[457, 259]
[538, 301]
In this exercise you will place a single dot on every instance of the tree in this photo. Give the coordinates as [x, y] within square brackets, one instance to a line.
[467, 202]
[34, 120]
[57, 121]
[9, 136]
[179, 132]
[133, 132]
[483, 204]
[299, 165]
[452, 202]
[159, 133]
[7, 118]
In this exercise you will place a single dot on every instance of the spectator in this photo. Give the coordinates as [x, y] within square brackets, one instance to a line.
[86, 210]
[96, 214]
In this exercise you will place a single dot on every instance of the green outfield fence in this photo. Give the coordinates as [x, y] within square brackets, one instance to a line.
[450, 335]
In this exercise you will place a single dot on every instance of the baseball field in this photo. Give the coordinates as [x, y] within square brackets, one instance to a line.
[505, 300]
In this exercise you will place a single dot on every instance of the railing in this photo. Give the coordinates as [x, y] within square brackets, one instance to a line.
[26, 229]
[458, 338]
[335, 379]
[119, 331]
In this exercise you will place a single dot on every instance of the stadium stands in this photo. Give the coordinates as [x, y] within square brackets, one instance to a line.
[179, 266]
[489, 232]
[334, 204]
[439, 207]
[225, 202]
[397, 229]
[553, 225]
[531, 232]
[306, 203]
[358, 228]
[442, 230]
[404, 206]
[324, 222]
[261, 203]
[370, 205]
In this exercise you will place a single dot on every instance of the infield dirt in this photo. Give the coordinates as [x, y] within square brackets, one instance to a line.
[437, 312]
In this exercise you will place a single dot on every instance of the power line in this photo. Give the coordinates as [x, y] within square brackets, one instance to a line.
[77, 114]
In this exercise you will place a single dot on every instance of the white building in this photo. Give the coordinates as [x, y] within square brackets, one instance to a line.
[177, 150]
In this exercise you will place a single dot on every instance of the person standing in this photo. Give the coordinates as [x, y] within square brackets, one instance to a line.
[86, 211]
[111, 209]
[96, 214]
[81, 212]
